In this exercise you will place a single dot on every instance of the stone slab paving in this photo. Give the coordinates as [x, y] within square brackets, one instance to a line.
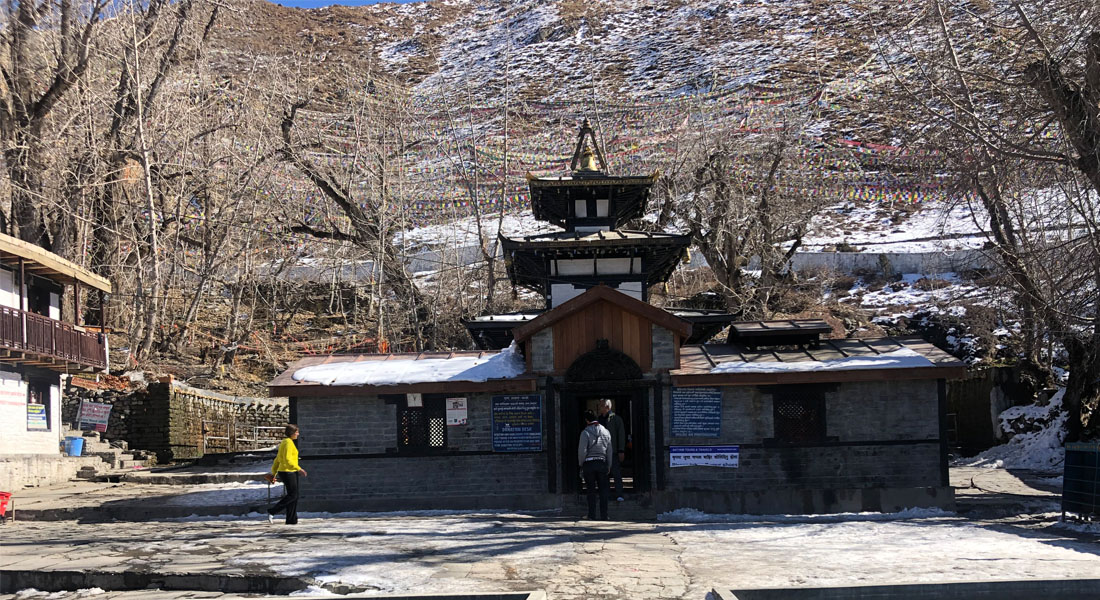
[569, 559]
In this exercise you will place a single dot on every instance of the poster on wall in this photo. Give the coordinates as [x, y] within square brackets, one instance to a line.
[517, 423]
[94, 416]
[456, 412]
[696, 412]
[704, 456]
[36, 418]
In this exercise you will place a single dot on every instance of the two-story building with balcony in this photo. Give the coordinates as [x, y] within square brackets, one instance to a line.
[38, 348]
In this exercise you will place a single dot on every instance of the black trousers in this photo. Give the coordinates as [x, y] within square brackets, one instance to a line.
[595, 476]
[617, 474]
[289, 501]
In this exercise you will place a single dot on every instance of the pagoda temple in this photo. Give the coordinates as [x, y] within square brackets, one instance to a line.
[592, 207]
[779, 419]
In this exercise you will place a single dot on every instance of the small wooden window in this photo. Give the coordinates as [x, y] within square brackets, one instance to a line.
[422, 429]
[799, 417]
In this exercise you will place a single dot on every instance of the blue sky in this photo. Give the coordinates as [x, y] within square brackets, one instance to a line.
[320, 3]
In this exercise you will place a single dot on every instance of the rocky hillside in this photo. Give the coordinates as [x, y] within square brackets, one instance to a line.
[583, 51]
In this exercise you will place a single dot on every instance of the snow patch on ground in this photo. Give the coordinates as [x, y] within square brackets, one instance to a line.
[1093, 528]
[367, 553]
[227, 494]
[314, 590]
[1038, 448]
[873, 227]
[30, 593]
[923, 550]
[691, 515]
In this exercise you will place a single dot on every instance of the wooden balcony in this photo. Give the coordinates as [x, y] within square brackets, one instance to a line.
[31, 339]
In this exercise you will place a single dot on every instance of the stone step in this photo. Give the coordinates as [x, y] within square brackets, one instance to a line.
[130, 464]
[113, 581]
[111, 457]
[634, 507]
[155, 478]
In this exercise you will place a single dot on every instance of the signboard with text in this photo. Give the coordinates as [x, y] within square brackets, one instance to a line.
[36, 418]
[704, 456]
[517, 423]
[94, 416]
[696, 412]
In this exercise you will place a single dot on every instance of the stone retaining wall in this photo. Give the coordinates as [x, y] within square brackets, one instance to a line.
[180, 422]
[32, 470]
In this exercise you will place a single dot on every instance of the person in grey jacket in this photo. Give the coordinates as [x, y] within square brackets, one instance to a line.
[594, 458]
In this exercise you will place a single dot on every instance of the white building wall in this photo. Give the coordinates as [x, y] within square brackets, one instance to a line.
[564, 292]
[632, 289]
[55, 306]
[561, 293]
[14, 437]
[600, 266]
[8, 297]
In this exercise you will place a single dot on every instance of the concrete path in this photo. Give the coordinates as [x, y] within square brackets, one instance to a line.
[989, 493]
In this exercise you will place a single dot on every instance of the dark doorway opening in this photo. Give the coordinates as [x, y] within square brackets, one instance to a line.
[630, 403]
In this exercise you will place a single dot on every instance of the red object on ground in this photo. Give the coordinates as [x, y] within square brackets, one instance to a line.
[4, 497]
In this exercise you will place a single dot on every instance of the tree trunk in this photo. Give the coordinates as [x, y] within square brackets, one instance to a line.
[25, 165]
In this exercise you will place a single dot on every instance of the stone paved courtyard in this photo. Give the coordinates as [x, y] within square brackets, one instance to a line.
[683, 556]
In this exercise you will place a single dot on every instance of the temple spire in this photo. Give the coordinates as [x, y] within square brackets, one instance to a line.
[583, 155]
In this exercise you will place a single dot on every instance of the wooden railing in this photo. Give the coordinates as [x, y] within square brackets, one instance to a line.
[50, 339]
[223, 436]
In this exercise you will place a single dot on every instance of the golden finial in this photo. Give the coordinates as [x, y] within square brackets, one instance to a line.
[588, 160]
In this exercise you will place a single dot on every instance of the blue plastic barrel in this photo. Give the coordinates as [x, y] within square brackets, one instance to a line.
[74, 445]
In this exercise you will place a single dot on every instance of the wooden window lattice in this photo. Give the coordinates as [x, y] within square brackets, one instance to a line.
[414, 432]
[423, 428]
[799, 419]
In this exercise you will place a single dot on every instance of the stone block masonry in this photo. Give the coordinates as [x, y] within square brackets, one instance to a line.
[880, 451]
[350, 447]
[664, 347]
[485, 481]
[179, 422]
[542, 351]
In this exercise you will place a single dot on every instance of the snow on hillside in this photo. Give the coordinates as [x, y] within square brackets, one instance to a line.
[874, 227]
[635, 47]
[870, 227]
[463, 233]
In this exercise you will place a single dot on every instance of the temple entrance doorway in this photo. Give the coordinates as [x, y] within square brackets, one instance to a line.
[630, 405]
[606, 374]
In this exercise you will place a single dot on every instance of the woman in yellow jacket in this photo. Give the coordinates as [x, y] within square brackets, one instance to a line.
[286, 469]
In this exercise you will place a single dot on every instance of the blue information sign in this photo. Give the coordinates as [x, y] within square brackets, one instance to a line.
[696, 412]
[517, 423]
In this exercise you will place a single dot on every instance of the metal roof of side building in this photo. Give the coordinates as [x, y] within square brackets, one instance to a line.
[832, 360]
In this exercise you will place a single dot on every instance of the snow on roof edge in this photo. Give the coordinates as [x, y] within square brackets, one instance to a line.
[903, 358]
[507, 364]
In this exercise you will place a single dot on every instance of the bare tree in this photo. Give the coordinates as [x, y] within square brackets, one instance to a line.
[361, 188]
[738, 209]
[1010, 94]
[45, 48]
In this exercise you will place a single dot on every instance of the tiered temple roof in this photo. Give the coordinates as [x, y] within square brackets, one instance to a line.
[591, 205]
